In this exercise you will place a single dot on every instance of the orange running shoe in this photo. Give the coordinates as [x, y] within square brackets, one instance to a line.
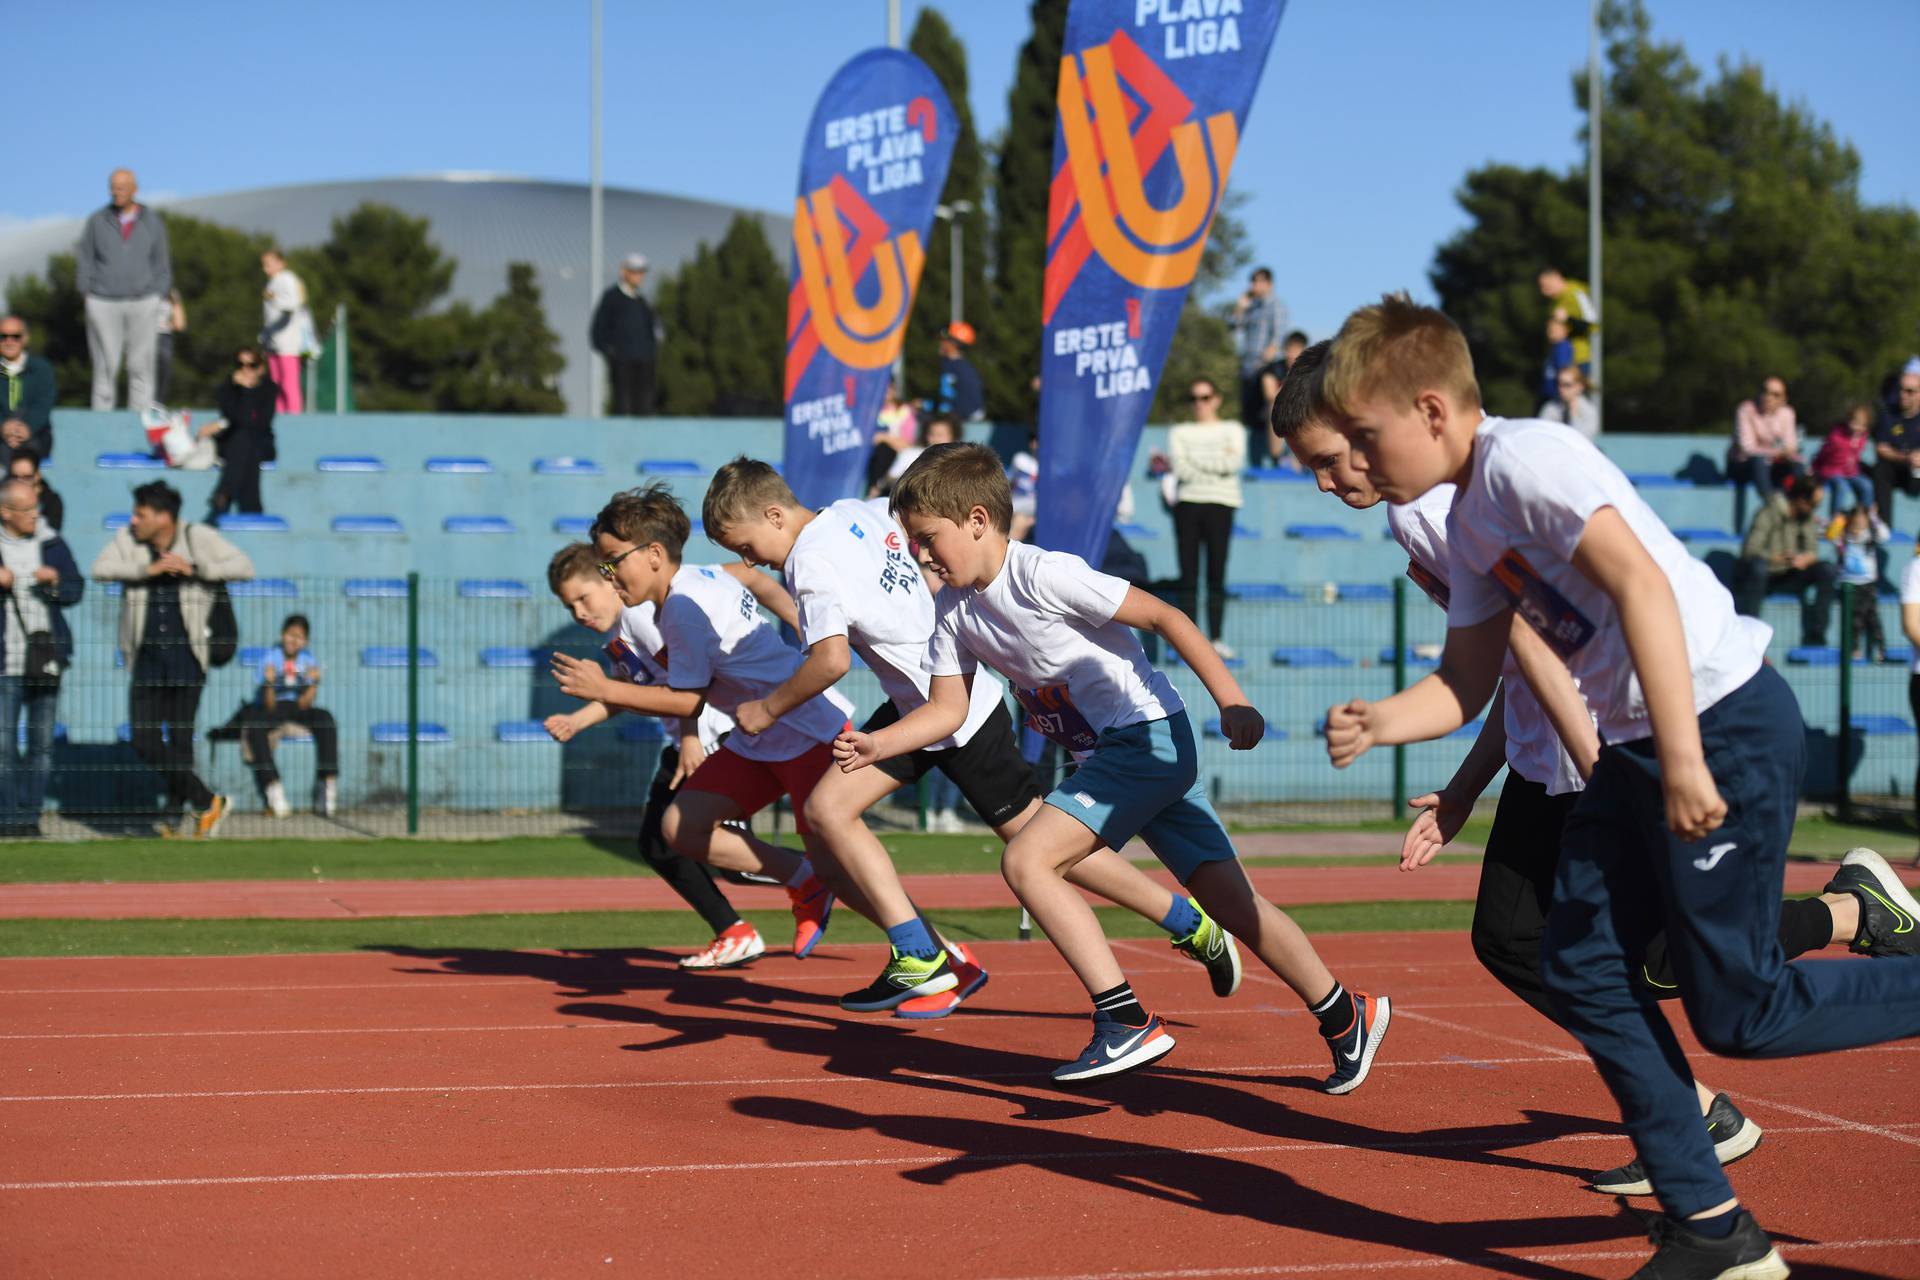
[812, 908]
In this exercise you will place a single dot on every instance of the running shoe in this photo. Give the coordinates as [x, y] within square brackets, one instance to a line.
[1681, 1254]
[1116, 1048]
[1734, 1137]
[971, 977]
[735, 945]
[1353, 1049]
[209, 825]
[1213, 947]
[1888, 911]
[812, 908]
[904, 978]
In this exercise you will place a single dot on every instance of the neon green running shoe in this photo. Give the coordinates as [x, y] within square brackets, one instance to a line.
[1213, 947]
[904, 978]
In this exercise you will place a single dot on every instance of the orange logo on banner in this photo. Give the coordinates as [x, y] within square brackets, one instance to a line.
[1108, 158]
[860, 335]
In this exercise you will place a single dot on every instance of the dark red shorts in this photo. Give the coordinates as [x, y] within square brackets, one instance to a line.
[755, 784]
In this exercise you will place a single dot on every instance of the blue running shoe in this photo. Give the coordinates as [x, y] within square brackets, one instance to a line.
[1353, 1049]
[1116, 1048]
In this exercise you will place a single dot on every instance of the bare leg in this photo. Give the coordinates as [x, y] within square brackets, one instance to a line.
[846, 852]
[1104, 872]
[1035, 864]
[1228, 896]
[1846, 917]
[691, 828]
[851, 895]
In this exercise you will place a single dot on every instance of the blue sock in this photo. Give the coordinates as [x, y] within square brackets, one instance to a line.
[912, 939]
[1718, 1227]
[1182, 917]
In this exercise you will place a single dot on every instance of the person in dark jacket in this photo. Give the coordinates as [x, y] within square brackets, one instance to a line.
[25, 465]
[40, 580]
[960, 395]
[623, 333]
[243, 433]
[26, 391]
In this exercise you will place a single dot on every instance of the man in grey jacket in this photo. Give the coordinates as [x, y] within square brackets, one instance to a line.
[169, 569]
[123, 268]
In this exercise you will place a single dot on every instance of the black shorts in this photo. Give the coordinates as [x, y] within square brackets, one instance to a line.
[988, 768]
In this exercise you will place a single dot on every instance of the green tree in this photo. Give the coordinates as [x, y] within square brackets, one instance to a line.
[1202, 345]
[1023, 172]
[1737, 245]
[725, 315]
[505, 357]
[934, 42]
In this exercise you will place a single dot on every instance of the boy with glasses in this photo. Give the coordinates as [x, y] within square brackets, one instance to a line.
[26, 392]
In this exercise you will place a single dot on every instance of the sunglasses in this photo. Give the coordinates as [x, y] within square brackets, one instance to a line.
[12, 335]
[1202, 399]
[248, 364]
[607, 567]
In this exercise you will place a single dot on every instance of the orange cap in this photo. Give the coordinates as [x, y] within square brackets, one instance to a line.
[961, 332]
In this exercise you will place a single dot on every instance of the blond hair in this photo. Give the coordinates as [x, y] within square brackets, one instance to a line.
[645, 516]
[949, 480]
[742, 490]
[1396, 349]
[575, 560]
[1301, 401]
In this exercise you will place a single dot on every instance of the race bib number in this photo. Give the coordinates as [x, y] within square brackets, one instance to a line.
[1565, 629]
[1052, 715]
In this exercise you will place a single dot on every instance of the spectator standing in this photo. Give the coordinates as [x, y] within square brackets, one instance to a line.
[1765, 436]
[1838, 461]
[25, 465]
[940, 429]
[623, 333]
[169, 570]
[1859, 539]
[1570, 406]
[289, 683]
[1208, 455]
[123, 268]
[1257, 322]
[897, 428]
[286, 331]
[1782, 553]
[1896, 445]
[960, 396]
[1573, 305]
[41, 580]
[243, 434]
[26, 388]
[1559, 356]
[173, 320]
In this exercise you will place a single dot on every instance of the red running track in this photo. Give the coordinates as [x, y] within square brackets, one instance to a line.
[346, 899]
[515, 1114]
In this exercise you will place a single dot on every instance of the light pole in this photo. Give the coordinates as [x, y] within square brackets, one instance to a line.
[595, 220]
[1594, 108]
[950, 214]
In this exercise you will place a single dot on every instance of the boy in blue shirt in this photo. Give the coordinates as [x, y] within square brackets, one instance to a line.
[289, 682]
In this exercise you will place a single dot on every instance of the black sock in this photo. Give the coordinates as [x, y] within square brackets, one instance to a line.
[1335, 1011]
[1120, 1005]
[1718, 1227]
[1806, 924]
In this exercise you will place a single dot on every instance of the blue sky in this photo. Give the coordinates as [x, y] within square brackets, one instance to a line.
[1399, 97]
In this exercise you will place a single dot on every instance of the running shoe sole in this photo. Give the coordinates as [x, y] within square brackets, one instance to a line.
[1615, 1182]
[954, 999]
[880, 1001]
[1150, 1049]
[1375, 1034]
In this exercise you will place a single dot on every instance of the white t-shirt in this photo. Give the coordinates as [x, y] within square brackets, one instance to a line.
[1513, 534]
[1534, 750]
[1910, 594]
[851, 576]
[635, 647]
[714, 640]
[1046, 623]
[285, 321]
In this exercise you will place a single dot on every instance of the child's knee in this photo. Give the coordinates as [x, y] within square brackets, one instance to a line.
[824, 814]
[685, 836]
[1025, 860]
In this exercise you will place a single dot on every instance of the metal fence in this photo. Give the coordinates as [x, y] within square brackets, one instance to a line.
[439, 689]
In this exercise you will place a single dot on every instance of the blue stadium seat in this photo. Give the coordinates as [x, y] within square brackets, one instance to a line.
[1245, 532]
[242, 522]
[1358, 591]
[1689, 533]
[366, 524]
[394, 655]
[493, 589]
[1657, 480]
[1899, 538]
[388, 732]
[123, 732]
[1133, 532]
[503, 656]
[1901, 655]
[1262, 591]
[567, 467]
[269, 588]
[375, 588]
[1875, 726]
[130, 462]
[1322, 533]
[114, 521]
[642, 729]
[1814, 655]
[1308, 656]
[670, 467]
[1413, 659]
[521, 731]
[477, 524]
[460, 466]
[1274, 475]
[1170, 658]
[1274, 732]
[365, 462]
[573, 526]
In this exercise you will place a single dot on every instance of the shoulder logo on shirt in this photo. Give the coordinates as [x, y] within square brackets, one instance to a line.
[1565, 629]
[856, 531]
[893, 541]
[1425, 579]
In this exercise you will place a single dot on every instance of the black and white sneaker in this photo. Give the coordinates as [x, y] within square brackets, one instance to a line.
[1353, 1049]
[1888, 910]
[904, 978]
[1734, 1138]
[1681, 1254]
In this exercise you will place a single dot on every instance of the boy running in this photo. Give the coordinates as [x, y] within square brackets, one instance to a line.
[859, 591]
[1058, 631]
[1686, 819]
[1544, 782]
[714, 649]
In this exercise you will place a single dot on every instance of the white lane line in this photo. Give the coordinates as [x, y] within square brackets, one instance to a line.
[1517, 1042]
[1807, 1113]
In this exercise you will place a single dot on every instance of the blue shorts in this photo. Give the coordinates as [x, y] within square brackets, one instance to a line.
[1144, 780]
